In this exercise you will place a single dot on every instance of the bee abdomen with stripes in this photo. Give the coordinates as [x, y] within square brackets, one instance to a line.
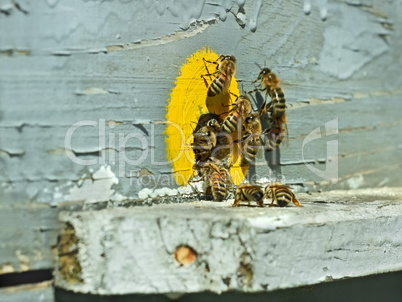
[278, 101]
[216, 85]
[281, 194]
[249, 192]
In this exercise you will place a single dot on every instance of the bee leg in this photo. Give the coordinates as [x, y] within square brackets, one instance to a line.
[260, 203]
[236, 203]
[252, 91]
[211, 62]
[195, 190]
[205, 81]
[296, 202]
[208, 73]
[273, 195]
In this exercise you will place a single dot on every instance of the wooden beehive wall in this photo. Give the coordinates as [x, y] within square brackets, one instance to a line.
[110, 66]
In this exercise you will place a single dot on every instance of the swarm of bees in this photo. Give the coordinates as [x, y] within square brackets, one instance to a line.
[215, 136]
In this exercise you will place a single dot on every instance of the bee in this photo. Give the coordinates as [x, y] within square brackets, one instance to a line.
[223, 149]
[216, 179]
[281, 193]
[225, 70]
[241, 109]
[205, 140]
[249, 192]
[269, 83]
[251, 136]
[277, 133]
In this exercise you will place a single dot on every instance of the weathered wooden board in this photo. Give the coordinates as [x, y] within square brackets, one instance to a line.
[113, 65]
[336, 235]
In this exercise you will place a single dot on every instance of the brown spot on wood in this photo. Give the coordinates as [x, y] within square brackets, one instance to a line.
[113, 124]
[145, 172]
[185, 255]
[245, 270]
[13, 52]
[68, 264]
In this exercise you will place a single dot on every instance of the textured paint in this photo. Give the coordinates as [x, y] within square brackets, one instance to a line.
[353, 42]
[188, 101]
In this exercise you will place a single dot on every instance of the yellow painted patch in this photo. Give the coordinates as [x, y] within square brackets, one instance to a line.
[188, 101]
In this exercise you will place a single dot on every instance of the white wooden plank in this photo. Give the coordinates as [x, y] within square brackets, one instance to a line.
[336, 235]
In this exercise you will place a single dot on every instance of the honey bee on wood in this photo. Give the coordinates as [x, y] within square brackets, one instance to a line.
[277, 133]
[251, 136]
[205, 140]
[281, 193]
[217, 180]
[249, 192]
[269, 83]
[241, 109]
[225, 70]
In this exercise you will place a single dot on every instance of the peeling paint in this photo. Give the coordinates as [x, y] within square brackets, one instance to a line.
[38, 255]
[145, 172]
[12, 152]
[355, 182]
[6, 269]
[179, 35]
[7, 8]
[12, 52]
[315, 102]
[97, 188]
[361, 95]
[187, 190]
[94, 91]
[24, 261]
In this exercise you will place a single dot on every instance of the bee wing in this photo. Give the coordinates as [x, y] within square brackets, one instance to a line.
[285, 141]
[227, 83]
[260, 152]
[228, 72]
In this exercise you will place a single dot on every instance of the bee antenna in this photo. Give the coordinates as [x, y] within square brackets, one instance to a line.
[258, 65]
